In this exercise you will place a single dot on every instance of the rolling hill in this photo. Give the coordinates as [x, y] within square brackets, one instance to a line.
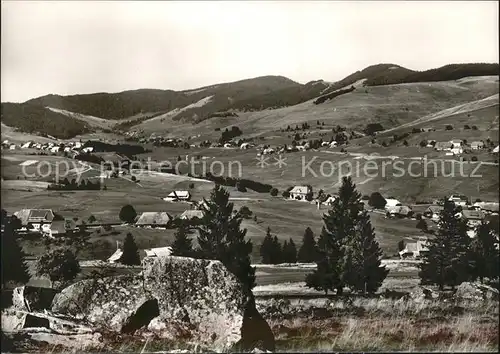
[245, 101]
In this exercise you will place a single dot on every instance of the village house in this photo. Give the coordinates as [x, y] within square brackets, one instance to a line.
[456, 143]
[495, 150]
[178, 196]
[300, 192]
[401, 211]
[476, 145]
[158, 252]
[245, 146]
[414, 249]
[443, 146]
[457, 150]
[487, 207]
[153, 219]
[37, 219]
[461, 200]
[192, 214]
[473, 217]
[391, 203]
[433, 212]
[333, 144]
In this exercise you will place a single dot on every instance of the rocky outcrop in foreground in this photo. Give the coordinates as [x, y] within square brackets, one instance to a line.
[178, 298]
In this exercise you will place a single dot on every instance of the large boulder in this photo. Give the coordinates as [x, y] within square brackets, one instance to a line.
[475, 292]
[175, 297]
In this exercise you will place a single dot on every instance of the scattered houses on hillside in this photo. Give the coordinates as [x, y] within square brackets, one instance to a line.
[153, 219]
[300, 192]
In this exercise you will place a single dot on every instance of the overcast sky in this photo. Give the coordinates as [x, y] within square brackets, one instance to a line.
[96, 46]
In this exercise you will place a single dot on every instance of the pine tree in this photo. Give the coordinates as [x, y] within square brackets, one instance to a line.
[266, 247]
[289, 252]
[338, 230]
[276, 251]
[220, 237]
[14, 268]
[446, 262]
[362, 266]
[484, 253]
[130, 254]
[182, 245]
[308, 252]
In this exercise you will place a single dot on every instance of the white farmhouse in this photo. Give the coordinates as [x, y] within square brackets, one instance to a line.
[299, 192]
[177, 195]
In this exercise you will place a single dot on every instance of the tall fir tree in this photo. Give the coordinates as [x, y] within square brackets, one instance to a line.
[484, 253]
[308, 251]
[276, 251]
[338, 230]
[221, 237]
[266, 247]
[14, 268]
[289, 252]
[130, 254]
[362, 265]
[182, 245]
[447, 261]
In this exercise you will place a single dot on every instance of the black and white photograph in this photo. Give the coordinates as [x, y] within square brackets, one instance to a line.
[249, 176]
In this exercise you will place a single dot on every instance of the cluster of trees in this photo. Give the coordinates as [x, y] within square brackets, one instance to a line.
[332, 95]
[372, 128]
[84, 185]
[227, 134]
[444, 73]
[453, 257]
[273, 252]
[124, 149]
[348, 254]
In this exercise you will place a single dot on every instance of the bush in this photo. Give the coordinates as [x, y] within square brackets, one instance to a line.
[384, 144]
[274, 192]
[466, 126]
[133, 178]
[423, 143]
[128, 214]
[449, 127]
[245, 212]
[59, 264]
[405, 143]
[191, 185]
[286, 194]
[418, 216]
[474, 158]
[474, 127]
